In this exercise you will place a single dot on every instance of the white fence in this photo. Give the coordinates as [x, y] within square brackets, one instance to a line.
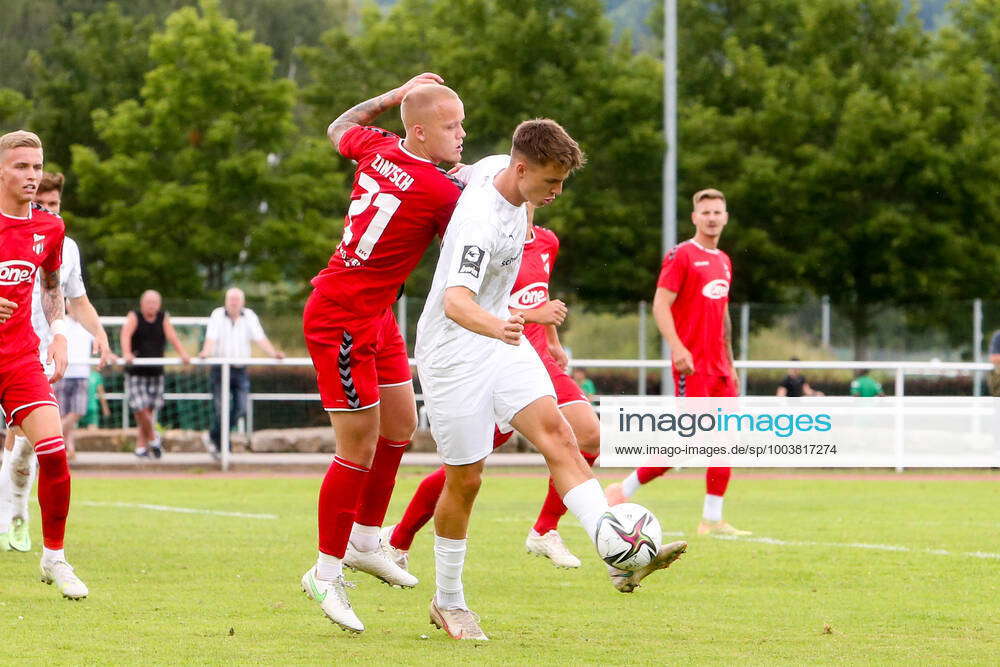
[900, 369]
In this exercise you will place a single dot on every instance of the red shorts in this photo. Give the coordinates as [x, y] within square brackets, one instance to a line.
[700, 385]
[353, 356]
[23, 387]
[567, 391]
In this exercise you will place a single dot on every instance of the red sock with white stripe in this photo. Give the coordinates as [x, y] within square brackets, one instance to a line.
[53, 490]
[419, 511]
[553, 508]
[716, 483]
[338, 505]
[377, 493]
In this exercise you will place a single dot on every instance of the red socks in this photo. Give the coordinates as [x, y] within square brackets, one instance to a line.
[647, 475]
[338, 504]
[53, 490]
[419, 511]
[377, 491]
[553, 507]
[716, 481]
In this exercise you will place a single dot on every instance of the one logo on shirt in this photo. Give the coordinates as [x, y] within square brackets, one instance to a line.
[472, 260]
[530, 296]
[16, 271]
[716, 289]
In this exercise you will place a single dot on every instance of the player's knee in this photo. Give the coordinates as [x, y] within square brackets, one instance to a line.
[400, 429]
[465, 485]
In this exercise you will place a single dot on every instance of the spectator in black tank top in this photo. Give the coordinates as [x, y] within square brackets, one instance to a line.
[794, 385]
[145, 334]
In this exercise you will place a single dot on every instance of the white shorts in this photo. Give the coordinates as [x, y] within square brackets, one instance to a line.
[463, 402]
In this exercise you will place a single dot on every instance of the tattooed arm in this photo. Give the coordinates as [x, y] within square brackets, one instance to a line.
[54, 307]
[367, 111]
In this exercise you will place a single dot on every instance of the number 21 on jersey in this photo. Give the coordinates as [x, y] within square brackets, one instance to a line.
[385, 206]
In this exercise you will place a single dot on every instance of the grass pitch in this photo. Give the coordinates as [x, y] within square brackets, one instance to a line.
[859, 570]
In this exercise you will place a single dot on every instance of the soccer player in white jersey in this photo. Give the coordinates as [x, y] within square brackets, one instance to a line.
[474, 369]
[17, 473]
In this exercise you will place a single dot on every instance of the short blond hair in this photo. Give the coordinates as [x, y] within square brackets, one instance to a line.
[708, 193]
[19, 139]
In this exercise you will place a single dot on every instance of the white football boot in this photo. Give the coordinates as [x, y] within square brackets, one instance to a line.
[332, 599]
[401, 557]
[551, 546]
[378, 564]
[627, 581]
[60, 573]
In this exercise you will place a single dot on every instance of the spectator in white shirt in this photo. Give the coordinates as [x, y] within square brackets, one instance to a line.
[230, 332]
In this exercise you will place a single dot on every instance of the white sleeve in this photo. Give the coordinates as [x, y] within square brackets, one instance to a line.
[214, 324]
[489, 164]
[471, 254]
[256, 330]
[72, 270]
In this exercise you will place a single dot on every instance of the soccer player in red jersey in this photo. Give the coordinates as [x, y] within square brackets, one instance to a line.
[400, 201]
[530, 298]
[31, 241]
[691, 307]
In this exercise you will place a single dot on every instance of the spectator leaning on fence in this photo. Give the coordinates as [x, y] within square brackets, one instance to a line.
[230, 332]
[145, 334]
[795, 385]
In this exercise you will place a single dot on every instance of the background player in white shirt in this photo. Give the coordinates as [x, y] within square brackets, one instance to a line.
[475, 372]
[17, 473]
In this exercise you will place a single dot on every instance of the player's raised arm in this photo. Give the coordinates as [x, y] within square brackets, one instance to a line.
[460, 307]
[366, 112]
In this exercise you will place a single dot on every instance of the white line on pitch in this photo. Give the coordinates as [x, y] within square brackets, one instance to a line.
[180, 510]
[857, 545]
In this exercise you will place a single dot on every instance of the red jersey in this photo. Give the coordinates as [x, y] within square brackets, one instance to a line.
[25, 245]
[398, 203]
[700, 277]
[531, 287]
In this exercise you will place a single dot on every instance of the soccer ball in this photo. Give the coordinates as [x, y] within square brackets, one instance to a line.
[628, 536]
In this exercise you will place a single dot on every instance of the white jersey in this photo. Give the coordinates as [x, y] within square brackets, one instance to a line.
[71, 281]
[481, 251]
[78, 349]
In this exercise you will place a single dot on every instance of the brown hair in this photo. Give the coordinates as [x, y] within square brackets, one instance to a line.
[544, 141]
[708, 193]
[51, 182]
[19, 139]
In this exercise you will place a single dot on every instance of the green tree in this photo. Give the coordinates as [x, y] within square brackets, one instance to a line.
[514, 60]
[14, 110]
[189, 176]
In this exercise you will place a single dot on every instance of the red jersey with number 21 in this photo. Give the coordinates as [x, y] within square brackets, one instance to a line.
[700, 277]
[398, 203]
[26, 244]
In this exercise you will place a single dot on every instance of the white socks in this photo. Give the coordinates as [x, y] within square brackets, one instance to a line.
[328, 567]
[23, 458]
[449, 559]
[587, 503]
[631, 484]
[713, 508]
[364, 538]
[53, 555]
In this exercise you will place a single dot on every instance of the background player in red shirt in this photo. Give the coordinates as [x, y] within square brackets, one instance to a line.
[31, 241]
[691, 308]
[530, 298]
[400, 200]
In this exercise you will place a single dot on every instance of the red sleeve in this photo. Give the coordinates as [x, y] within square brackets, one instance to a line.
[555, 252]
[356, 142]
[53, 260]
[673, 271]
